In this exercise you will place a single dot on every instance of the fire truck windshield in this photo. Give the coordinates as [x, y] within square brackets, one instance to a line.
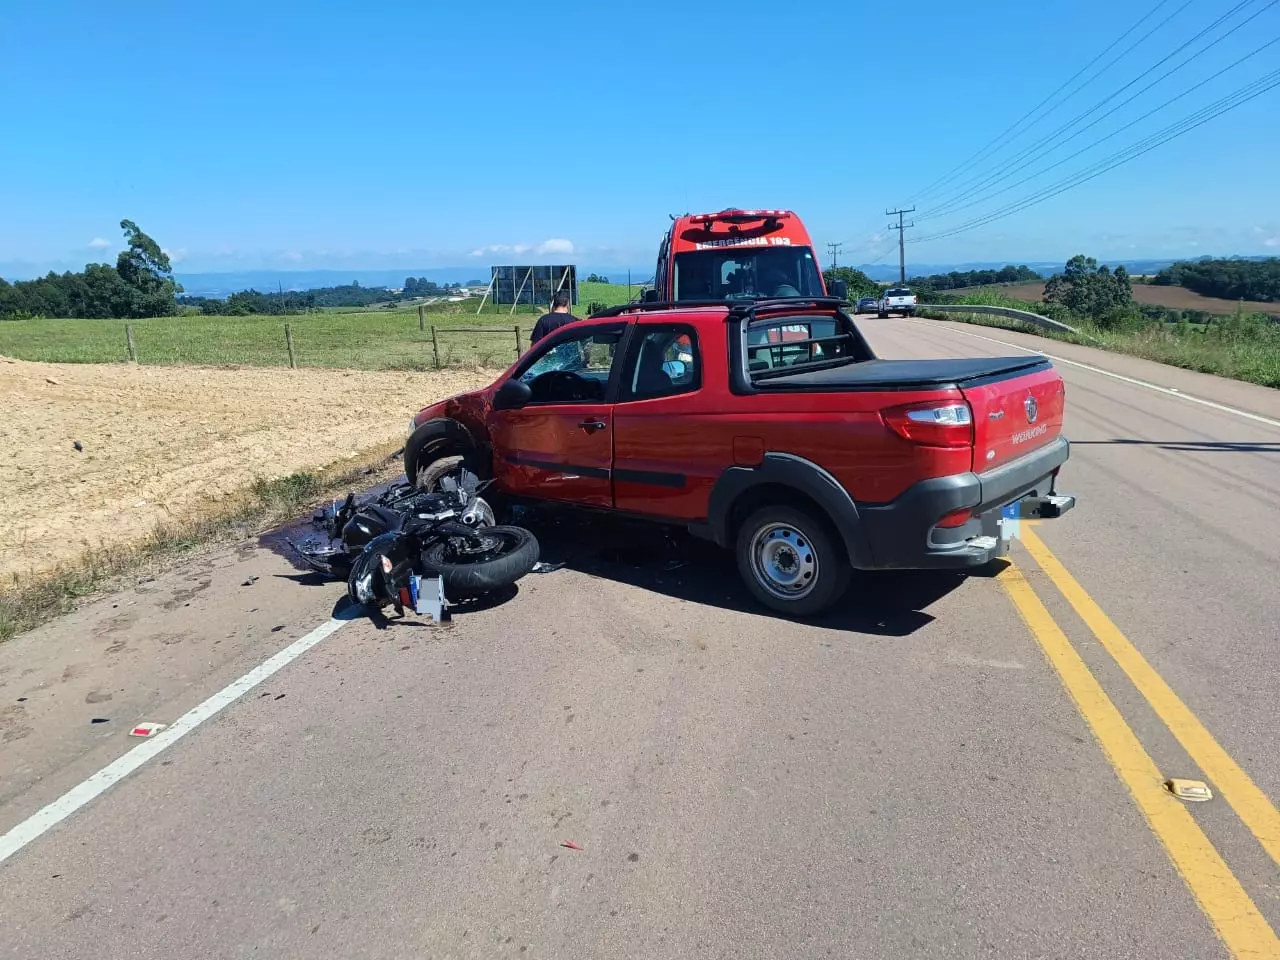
[741, 273]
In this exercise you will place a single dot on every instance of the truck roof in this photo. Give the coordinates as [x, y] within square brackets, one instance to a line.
[738, 228]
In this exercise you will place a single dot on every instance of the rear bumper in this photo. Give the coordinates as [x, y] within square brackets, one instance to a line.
[903, 534]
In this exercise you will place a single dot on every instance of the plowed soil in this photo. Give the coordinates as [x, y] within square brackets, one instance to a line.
[161, 441]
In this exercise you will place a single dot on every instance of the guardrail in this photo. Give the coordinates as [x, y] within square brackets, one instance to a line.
[1025, 316]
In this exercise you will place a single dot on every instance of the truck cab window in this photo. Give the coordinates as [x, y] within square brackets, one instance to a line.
[665, 363]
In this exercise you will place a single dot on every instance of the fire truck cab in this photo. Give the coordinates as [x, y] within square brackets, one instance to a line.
[738, 255]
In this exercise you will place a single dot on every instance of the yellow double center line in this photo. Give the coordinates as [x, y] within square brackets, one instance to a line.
[1224, 901]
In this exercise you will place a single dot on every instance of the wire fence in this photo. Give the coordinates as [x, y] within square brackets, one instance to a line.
[389, 340]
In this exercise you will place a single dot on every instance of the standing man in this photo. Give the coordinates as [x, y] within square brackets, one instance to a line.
[554, 320]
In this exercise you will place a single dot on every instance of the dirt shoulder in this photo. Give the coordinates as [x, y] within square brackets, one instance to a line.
[160, 442]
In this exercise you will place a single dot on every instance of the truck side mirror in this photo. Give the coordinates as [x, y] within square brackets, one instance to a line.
[839, 289]
[512, 395]
[649, 296]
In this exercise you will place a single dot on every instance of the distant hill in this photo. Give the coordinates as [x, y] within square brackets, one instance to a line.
[224, 284]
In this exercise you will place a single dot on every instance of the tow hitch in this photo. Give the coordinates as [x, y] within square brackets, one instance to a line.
[1044, 508]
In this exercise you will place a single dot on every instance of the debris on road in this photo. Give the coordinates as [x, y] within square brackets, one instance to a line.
[1194, 790]
[100, 720]
[22, 699]
[571, 845]
[250, 582]
[541, 567]
[146, 729]
[78, 445]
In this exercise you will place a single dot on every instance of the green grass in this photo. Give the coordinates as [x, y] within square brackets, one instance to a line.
[1253, 358]
[386, 339]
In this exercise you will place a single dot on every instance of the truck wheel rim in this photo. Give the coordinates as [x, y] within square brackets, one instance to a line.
[783, 561]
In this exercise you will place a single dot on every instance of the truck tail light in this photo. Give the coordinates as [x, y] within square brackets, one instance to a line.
[932, 424]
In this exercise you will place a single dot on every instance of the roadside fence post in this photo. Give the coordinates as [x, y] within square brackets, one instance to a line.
[288, 342]
[519, 343]
[422, 317]
[128, 339]
[435, 346]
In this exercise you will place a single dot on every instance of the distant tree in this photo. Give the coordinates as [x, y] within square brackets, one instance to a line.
[146, 268]
[1089, 290]
[596, 278]
[860, 285]
[1229, 279]
[139, 285]
[956, 279]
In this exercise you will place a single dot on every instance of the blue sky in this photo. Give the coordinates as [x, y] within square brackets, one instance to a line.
[283, 134]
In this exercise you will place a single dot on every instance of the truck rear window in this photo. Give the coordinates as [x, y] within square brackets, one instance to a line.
[784, 344]
[898, 292]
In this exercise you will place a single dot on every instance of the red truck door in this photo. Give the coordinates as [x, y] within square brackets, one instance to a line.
[559, 445]
[664, 458]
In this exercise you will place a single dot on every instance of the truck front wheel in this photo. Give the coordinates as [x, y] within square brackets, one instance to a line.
[790, 561]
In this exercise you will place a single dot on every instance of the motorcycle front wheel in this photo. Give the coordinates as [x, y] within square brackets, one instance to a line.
[487, 560]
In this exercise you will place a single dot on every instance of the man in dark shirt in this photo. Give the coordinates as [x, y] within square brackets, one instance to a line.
[554, 320]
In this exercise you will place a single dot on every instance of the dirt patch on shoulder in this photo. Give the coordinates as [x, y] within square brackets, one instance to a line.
[156, 442]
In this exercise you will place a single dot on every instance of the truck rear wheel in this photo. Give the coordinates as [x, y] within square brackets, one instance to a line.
[790, 561]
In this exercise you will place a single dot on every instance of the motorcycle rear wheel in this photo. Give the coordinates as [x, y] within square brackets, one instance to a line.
[492, 558]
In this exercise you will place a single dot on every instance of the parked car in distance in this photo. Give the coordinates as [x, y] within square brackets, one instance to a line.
[770, 428]
[897, 300]
[867, 305]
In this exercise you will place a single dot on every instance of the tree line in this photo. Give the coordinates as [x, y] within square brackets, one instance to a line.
[140, 284]
[974, 278]
[1227, 279]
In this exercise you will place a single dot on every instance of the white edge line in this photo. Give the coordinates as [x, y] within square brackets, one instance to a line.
[75, 798]
[1171, 391]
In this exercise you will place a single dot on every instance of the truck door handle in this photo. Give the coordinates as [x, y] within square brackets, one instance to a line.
[591, 426]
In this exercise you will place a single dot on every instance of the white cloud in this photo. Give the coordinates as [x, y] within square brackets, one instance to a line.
[555, 245]
[97, 243]
[1271, 242]
[293, 256]
[176, 256]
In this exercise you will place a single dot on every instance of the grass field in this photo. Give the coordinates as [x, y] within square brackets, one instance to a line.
[364, 340]
[1175, 298]
[1248, 351]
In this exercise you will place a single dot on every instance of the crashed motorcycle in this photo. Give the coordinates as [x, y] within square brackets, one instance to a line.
[388, 546]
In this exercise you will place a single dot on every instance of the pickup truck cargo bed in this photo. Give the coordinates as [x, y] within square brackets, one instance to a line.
[900, 374]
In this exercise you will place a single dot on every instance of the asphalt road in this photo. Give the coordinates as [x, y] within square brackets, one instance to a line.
[948, 766]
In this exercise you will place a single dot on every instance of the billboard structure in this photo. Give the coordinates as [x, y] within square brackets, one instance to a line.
[532, 285]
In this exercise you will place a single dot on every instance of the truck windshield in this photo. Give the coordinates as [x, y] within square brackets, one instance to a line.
[739, 273]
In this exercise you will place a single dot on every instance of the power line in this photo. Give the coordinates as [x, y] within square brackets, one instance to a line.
[1239, 97]
[1116, 132]
[1045, 144]
[994, 143]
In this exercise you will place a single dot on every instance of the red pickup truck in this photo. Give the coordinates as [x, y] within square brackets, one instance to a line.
[770, 427]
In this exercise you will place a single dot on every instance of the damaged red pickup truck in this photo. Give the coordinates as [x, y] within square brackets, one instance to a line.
[769, 427]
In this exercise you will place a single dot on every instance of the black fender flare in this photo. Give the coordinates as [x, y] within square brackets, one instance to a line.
[433, 438]
[801, 475]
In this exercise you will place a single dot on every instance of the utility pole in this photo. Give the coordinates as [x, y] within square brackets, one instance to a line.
[833, 249]
[902, 250]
